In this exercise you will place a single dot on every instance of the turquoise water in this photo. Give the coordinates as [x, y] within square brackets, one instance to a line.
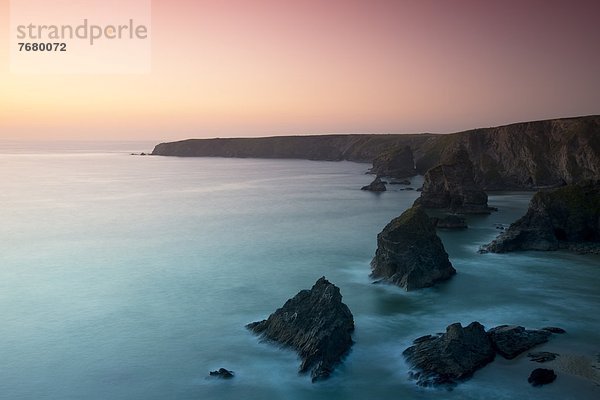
[127, 277]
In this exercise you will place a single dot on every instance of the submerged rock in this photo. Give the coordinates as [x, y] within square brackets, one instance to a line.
[376, 186]
[222, 373]
[541, 376]
[451, 186]
[409, 252]
[542, 356]
[554, 220]
[554, 329]
[401, 182]
[450, 357]
[451, 221]
[510, 341]
[316, 324]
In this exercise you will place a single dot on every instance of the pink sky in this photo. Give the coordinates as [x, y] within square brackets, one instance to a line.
[278, 67]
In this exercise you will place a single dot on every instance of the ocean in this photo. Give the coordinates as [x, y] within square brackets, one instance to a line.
[131, 277]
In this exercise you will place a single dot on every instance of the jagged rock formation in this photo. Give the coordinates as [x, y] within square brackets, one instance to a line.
[510, 341]
[555, 219]
[316, 324]
[517, 156]
[451, 186]
[409, 252]
[376, 186]
[447, 358]
[397, 163]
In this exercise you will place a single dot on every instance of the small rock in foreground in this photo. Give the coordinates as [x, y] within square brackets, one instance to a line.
[316, 324]
[541, 376]
[222, 373]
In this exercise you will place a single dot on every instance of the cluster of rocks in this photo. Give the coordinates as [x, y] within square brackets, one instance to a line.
[450, 357]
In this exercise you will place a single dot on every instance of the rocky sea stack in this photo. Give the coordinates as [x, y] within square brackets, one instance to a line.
[396, 163]
[316, 324]
[376, 186]
[451, 186]
[568, 217]
[409, 252]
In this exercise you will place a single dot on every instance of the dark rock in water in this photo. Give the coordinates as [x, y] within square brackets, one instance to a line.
[420, 189]
[451, 221]
[510, 341]
[143, 154]
[409, 252]
[222, 373]
[450, 357]
[542, 356]
[376, 186]
[396, 163]
[567, 215]
[451, 186]
[402, 182]
[554, 329]
[316, 324]
[541, 376]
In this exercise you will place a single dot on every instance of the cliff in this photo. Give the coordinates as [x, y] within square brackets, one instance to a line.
[567, 217]
[524, 155]
[360, 148]
[409, 252]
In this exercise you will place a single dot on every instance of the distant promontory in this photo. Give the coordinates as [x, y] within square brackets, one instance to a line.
[526, 155]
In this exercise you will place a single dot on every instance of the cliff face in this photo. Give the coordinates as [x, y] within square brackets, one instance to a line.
[361, 148]
[451, 185]
[519, 156]
[564, 216]
[525, 155]
[409, 252]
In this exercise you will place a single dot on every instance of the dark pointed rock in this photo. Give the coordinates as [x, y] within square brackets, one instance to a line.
[450, 357]
[316, 324]
[409, 252]
[376, 186]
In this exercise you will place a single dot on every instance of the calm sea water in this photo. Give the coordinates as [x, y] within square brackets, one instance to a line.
[127, 277]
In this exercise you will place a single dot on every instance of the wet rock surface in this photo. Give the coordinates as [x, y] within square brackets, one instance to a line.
[316, 324]
[410, 254]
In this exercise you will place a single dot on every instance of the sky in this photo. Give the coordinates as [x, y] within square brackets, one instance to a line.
[282, 67]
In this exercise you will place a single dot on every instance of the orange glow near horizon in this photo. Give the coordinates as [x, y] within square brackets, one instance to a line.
[275, 67]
